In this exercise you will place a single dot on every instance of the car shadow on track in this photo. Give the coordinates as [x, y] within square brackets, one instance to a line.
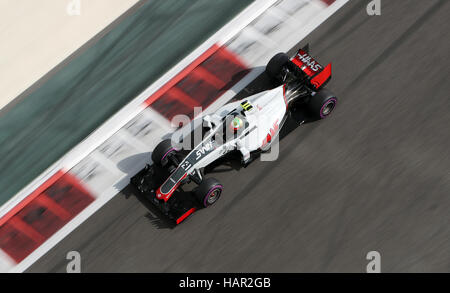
[232, 160]
[154, 216]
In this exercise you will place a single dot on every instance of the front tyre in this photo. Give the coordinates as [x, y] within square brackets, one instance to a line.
[322, 104]
[162, 151]
[209, 192]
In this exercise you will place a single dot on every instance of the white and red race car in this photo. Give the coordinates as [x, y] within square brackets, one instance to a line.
[249, 126]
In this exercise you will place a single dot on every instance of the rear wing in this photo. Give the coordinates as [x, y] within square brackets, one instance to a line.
[317, 74]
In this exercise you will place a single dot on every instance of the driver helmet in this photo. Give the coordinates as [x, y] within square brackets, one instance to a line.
[236, 124]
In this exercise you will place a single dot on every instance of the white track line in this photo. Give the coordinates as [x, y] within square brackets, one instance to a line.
[109, 193]
[132, 109]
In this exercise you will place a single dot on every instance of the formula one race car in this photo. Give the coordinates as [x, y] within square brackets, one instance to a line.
[249, 126]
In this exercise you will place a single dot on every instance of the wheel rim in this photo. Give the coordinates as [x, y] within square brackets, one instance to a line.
[327, 108]
[214, 196]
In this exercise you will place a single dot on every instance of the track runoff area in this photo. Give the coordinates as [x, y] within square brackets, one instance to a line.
[73, 193]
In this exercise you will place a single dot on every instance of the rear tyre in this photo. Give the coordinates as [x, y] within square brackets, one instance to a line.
[276, 64]
[162, 151]
[209, 192]
[322, 104]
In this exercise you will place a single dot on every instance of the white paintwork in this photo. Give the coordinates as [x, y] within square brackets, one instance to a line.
[135, 107]
[307, 18]
[268, 110]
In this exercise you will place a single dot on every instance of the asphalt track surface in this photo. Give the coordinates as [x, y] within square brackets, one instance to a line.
[374, 176]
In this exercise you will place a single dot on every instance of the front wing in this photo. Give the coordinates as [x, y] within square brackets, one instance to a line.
[177, 208]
